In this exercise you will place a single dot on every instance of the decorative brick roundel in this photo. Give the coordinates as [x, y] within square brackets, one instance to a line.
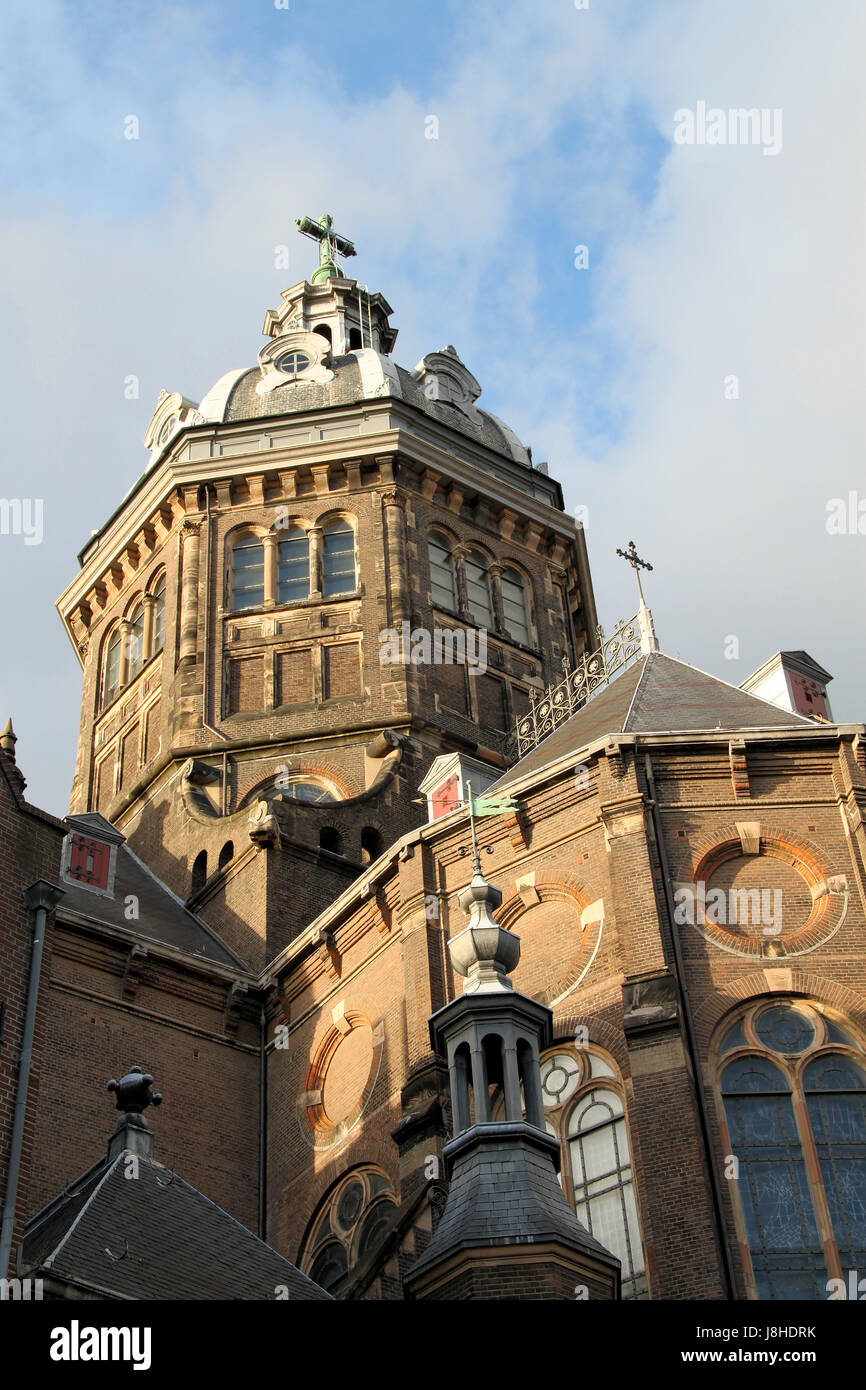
[550, 930]
[340, 1080]
[347, 1074]
[777, 900]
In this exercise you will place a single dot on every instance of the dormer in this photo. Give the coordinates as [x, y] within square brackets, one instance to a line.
[89, 855]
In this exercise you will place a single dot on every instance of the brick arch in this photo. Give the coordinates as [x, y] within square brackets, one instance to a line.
[752, 987]
[574, 949]
[601, 1033]
[778, 841]
[562, 888]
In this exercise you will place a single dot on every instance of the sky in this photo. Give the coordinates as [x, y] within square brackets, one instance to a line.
[693, 377]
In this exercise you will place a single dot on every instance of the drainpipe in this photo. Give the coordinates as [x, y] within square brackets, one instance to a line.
[706, 1134]
[40, 899]
[263, 1124]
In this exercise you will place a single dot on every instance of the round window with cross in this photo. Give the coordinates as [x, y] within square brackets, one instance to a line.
[292, 363]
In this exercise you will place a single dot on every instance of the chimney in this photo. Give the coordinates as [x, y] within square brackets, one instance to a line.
[793, 681]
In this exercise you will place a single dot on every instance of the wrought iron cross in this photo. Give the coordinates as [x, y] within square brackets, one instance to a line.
[329, 242]
[637, 565]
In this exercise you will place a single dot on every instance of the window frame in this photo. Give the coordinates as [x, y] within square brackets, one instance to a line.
[792, 1066]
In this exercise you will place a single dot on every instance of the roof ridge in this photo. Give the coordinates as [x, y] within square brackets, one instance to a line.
[97, 1188]
[639, 683]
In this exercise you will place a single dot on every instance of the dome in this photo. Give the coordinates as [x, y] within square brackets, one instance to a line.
[440, 385]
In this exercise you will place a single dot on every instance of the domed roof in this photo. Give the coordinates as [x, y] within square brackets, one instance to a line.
[440, 385]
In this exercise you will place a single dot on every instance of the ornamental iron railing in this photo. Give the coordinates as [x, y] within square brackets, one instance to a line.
[559, 702]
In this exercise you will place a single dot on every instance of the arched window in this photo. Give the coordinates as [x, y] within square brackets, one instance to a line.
[199, 871]
[584, 1107]
[515, 611]
[338, 559]
[478, 589]
[111, 668]
[795, 1114]
[349, 1226]
[443, 587]
[293, 566]
[602, 1181]
[324, 331]
[371, 844]
[355, 339]
[330, 839]
[135, 642]
[227, 854]
[158, 641]
[248, 572]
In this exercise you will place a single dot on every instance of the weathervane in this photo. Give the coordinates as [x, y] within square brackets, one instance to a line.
[330, 245]
[637, 565]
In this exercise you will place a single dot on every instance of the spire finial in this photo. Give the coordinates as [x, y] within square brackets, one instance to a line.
[330, 246]
[648, 639]
[637, 565]
[8, 740]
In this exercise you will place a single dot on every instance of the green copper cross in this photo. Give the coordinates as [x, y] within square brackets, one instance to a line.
[329, 245]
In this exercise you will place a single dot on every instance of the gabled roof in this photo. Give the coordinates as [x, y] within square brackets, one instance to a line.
[659, 694]
[161, 914]
[154, 1238]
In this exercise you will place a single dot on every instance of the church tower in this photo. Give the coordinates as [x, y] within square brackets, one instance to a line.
[332, 571]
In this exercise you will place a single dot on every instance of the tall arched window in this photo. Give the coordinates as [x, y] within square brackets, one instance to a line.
[443, 586]
[293, 566]
[158, 641]
[338, 559]
[515, 610]
[135, 642]
[111, 667]
[478, 589]
[248, 572]
[584, 1107]
[794, 1101]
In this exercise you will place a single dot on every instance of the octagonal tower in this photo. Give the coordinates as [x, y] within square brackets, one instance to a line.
[331, 571]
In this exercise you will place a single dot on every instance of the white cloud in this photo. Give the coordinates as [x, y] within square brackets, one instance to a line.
[156, 258]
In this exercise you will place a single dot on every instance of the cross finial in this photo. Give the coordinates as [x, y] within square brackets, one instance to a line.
[637, 565]
[330, 245]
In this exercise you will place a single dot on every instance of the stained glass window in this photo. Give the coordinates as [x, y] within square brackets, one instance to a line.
[835, 1088]
[777, 1105]
[784, 1029]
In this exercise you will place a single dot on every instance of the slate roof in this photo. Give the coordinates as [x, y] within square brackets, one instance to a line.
[154, 1237]
[161, 914]
[504, 1192]
[658, 694]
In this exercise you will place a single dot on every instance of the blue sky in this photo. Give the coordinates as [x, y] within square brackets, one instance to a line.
[155, 257]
